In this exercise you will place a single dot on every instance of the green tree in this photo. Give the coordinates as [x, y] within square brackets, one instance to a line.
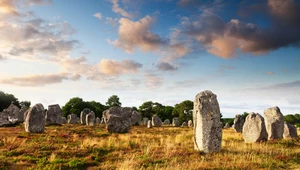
[6, 99]
[146, 109]
[26, 103]
[74, 106]
[113, 100]
[244, 115]
[290, 119]
[97, 107]
[183, 111]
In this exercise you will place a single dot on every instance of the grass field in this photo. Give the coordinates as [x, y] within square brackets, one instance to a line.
[82, 147]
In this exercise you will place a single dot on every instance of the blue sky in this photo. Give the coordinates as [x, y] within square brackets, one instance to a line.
[246, 52]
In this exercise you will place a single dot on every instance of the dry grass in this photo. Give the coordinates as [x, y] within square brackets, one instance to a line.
[82, 147]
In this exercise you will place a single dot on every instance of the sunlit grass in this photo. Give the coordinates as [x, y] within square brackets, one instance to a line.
[81, 147]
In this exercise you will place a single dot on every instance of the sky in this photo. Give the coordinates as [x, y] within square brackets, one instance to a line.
[166, 51]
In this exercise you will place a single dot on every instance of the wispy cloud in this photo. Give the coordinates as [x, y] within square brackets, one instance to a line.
[153, 81]
[40, 80]
[117, 9]
[98, 15]
[111, 21]
[270, 73]
[164, 66]
[113, 67]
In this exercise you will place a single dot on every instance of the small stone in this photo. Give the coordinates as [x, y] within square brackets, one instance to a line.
[135, 118]
[53, 115]
[35, 119]
[83, 114]
[184, 124]
[63, 120]
[145, 121]
[149, 124]
[227, 126]
[156, 121]
[90, 119]
[167, 122]
[190, 123]
[72, 119]
[98, 121]
[290, 131]
[175, 122]
[254, 129]
[238, 123]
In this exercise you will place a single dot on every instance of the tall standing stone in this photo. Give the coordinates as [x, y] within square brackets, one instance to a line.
[83, 114]
[207, 124]
[35, 119]
[274, 123]
[135, 118]
[175, 122]
[290, 131]
[118, 119]
[90, 119]
[254, 129]
[149, 124]
[72, 119]
[156, 121]
[238, 123]
[53, 115]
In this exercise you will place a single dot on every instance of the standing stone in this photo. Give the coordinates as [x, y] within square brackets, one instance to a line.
[149, 124]
[207, 124]
[190, 123]
[105, 116]
[175, 122]
[63, 120]
[254, 129]
[118, 119]
[90, 119]
[145, 121]
[156, 121]
[135, 118]
[72, 119]
[102, 120]
[184, 124]
[25, 114]
[238, 123]
[98, 121]
[53, 115]
[21, 117]
[274, 123]
[35, 119]
[167, 122]
[227, 126]
[290, 131]
[83, 114]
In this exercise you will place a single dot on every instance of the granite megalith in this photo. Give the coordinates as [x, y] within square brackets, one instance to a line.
[35, 119]
[254, 129]
[274, 123]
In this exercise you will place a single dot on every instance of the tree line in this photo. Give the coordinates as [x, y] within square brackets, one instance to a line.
[181, 110]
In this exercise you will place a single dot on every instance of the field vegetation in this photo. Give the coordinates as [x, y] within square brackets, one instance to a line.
[83, 147]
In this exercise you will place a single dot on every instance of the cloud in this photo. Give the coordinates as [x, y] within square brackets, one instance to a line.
[98, 15]
[164, 66]
[153, 81]
[189, 2]
[117, 9]
[40, 80]
[270, 73]
[111, 21]
[2, 57]
[113, 67]
[137, 35]
[225, 39]
[8, 7]
[225, 67]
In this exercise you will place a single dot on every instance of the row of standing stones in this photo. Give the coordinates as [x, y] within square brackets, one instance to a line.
[256, 128]
[206, 121]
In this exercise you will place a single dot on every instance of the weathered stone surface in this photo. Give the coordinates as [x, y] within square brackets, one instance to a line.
[145, 121]
[149, 124]
[35, 119]
[53, 115]
[207, 124]
[167, 122]
[25, 114]
[90, 119]
[227, 126]
[238, 123]
[63, 120]
[118, 119]
[274, 123]
[190, 123]
[184, 124]
[289, 131]
[102, 120]
[105, 116]
[12, 115]
[83, 114]
[72, 119]
[175, 122]
[254, 129]
[21, 117]
[156, 121]
[135, 118]
[98, 121]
